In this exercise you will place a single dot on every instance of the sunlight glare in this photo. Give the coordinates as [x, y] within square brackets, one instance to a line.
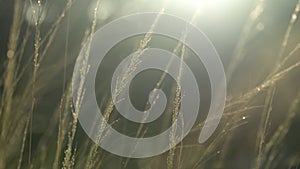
[201, 3]
[104, 11]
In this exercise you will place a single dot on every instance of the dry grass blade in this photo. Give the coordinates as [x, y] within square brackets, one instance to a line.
[239, 52]
[60, 143]
[262, 130]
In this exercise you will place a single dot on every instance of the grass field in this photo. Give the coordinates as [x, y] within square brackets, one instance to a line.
[258, 42]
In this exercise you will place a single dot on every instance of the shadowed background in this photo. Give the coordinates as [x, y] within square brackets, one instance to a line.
[223, 21]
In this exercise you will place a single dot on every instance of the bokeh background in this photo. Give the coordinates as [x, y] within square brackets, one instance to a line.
[251, 36]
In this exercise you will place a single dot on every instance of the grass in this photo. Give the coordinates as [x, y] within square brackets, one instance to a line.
[62, 143]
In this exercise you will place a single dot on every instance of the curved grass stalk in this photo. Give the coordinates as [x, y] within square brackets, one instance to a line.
[239, 53]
